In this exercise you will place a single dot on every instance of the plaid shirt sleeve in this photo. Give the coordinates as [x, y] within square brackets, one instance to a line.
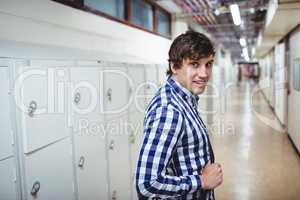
[163, 128]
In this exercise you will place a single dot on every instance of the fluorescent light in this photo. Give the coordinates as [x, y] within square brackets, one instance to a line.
[235, 13]
[246, 55]
[242, 42]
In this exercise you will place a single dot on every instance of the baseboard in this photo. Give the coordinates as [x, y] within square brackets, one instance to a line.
[293, 144]
[272, 109]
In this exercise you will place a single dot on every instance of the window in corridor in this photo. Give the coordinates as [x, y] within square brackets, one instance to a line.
[114, 8]
[142, 14]
[296, 74]
[162, 22]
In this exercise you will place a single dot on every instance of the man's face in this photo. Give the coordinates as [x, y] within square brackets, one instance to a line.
[194, 74]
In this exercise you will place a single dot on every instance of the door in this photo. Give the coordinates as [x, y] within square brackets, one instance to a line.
[49, 172]
[8, 183]
[294, 82]
[136, 117]
[88, 132]
[280, 80]
[40, 91]
[152, 82]
[6, 136]
[161, 74]
[116, 108]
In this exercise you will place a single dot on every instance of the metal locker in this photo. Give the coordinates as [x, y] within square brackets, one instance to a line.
[88, 133]
[40, 93]
[49, 172]
[6, 134]
[135, 117]
[116, 106]
[137, 87]
[152, 82]
[8, 179]
[161, 74]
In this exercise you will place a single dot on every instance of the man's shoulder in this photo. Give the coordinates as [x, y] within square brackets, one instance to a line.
[164, 99]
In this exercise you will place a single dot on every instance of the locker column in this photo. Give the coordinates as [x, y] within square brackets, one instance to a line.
[136, 112]
[151, 76]
[41, 116]
[115, 108]
[88, 131]
[9, 183]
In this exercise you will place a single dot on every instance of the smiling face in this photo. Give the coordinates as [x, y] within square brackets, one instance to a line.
[194, 74]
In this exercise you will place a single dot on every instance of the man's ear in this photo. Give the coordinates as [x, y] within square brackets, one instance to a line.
[174, 71]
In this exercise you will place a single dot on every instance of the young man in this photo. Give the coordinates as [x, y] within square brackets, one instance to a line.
[176, 160]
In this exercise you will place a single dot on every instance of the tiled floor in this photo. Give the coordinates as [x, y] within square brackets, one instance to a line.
[259, 162]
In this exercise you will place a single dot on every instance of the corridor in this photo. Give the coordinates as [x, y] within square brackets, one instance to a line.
[258, 161]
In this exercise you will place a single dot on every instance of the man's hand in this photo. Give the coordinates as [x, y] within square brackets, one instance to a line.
[212, 176]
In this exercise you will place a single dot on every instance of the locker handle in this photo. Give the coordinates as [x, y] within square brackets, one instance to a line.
[77, 98]
[81, 162]
[109, 94]
[132, 138]
[35, 188]
[112, 145]
[114, 195]
[32, 108]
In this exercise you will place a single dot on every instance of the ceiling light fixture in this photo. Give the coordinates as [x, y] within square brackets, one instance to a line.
[235, 13]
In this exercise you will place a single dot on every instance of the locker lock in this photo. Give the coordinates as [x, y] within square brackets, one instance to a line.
[77, 98]
[130, 90]
[114, 195]
[109, 94]
[132, 138]
[35, 188]
[32, 108]
[112, 145]
[81, 162]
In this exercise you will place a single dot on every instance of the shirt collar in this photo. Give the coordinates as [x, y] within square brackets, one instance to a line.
[182, 91]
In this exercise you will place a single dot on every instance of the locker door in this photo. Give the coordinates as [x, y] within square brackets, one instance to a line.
[115, 100]
[8, 180]
[40, 98]
[136, 74]
[49, 172]
[135, 118]
[6, 137]
[161, 70]
[151, 78]
[88, 134]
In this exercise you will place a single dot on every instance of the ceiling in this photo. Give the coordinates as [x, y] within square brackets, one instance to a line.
[214, 16]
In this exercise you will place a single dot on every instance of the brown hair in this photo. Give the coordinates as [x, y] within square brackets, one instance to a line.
[192, 45]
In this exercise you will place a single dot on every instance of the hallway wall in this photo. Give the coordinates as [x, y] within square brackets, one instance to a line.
[274, 76]
[53, 24]
[294, 97]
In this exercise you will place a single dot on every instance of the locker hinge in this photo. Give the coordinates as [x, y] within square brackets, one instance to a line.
[12, 138]
[15, 175]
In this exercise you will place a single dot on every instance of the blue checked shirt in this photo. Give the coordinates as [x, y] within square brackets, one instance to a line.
[175, 147]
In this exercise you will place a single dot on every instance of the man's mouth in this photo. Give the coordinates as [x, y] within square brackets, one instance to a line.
[200, 82]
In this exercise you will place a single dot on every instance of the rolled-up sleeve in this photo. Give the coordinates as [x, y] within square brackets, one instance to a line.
[163, 128]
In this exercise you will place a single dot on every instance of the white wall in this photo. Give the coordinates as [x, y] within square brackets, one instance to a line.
[266, 81]
[178, 27]
[279, 78]
[294, 97]
[44, 22]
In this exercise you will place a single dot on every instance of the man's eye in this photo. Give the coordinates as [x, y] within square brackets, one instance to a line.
[195, 65]
[208, 65]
